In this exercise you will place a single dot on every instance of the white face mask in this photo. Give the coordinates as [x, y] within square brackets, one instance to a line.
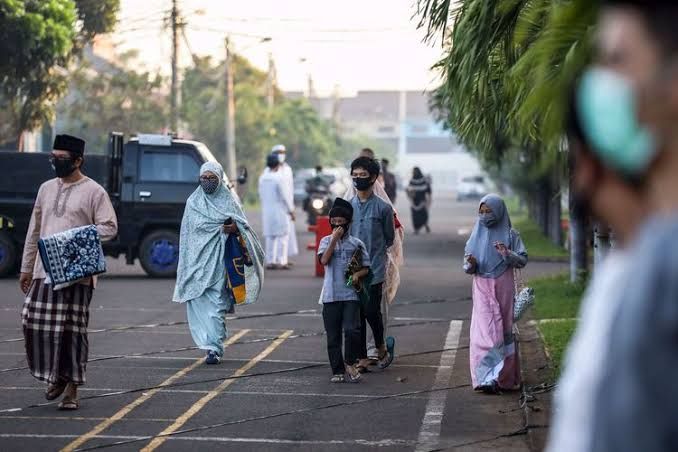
[281, 157]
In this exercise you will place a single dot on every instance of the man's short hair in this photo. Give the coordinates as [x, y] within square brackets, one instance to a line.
[366, 163]
[660, 16]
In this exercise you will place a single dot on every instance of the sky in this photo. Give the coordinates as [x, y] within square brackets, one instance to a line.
[348, 45]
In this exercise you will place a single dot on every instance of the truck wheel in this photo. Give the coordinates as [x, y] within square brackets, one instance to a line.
[8, 255]
[159, 253]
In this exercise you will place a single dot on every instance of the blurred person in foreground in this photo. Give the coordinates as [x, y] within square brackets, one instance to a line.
[636, 404]
[615, 198]
[419, 192]
[394, 255]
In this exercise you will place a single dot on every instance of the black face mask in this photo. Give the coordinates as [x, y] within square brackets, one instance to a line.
[345, 226]
[362, 183]
[63, 167]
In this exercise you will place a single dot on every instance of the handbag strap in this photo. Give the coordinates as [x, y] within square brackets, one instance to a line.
[518, 281]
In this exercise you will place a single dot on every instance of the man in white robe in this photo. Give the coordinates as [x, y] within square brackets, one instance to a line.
[277, 213]
[287, 175]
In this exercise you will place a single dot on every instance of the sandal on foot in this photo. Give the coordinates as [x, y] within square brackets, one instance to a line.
[339, 378]
[212, 358]
[352, 375]
[69, 405]
[363, 366]
[55, 390]
[386, 359]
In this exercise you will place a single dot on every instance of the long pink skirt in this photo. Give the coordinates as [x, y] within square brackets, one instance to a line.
[493, 347]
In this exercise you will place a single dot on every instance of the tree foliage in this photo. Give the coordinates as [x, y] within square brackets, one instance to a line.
[38, 41]
[120, 100]
[506, 69]
[309, 138]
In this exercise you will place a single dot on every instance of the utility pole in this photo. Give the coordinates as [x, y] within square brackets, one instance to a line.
[174, 115]
[230, 114]
[270, 82]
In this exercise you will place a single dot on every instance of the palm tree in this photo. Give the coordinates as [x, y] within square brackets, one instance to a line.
[507, 67]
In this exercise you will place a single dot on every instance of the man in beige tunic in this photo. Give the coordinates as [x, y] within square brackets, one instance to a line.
[55, 321]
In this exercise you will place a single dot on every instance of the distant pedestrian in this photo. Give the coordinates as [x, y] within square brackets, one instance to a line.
[419, 192]
[277, 210]
[374, 225]
[492, 252]
[220, 261]
[344, 278]
[55, 321]
[287, 175]
[390, 182]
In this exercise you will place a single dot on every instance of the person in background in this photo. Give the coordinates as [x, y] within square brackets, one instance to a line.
[492, 252]
[419, 192]
[277, 210]
[215, 236]
[341, 304]
[55, 321]
[373, 225]
[390, 183]
[287, 175]
[602, 191]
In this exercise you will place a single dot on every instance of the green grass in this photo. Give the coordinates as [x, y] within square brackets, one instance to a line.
[556, 298]
[538, 245]
[556, 337]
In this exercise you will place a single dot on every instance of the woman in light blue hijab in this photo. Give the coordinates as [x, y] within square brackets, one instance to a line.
[492, 252]
[202, 274]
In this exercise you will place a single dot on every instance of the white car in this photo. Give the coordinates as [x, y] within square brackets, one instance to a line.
[471, 187]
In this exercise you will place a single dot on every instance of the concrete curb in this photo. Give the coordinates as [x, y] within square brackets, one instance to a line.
[535, 371]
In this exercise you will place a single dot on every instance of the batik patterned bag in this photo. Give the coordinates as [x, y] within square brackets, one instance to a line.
[72, 255]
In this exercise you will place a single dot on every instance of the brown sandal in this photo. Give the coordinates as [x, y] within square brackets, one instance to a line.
[55, 390]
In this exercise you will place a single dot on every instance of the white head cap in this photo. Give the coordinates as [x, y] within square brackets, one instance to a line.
[279, 148]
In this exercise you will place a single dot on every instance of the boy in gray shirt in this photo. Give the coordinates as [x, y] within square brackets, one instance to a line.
[341, 304]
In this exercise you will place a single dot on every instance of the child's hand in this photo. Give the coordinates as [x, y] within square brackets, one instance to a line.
[356, 279]
[501, 248]
[337, 233]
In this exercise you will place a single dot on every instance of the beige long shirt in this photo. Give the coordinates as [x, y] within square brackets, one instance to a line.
[61, 206]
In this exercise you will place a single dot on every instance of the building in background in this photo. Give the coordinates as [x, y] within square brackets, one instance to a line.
[401, 122]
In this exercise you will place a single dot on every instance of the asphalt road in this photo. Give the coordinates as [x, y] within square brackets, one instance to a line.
[272, 390]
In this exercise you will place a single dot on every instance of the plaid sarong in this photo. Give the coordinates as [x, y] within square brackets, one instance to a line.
[55, 331]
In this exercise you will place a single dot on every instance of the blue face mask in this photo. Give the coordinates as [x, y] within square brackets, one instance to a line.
[487, 219]
[606, 104]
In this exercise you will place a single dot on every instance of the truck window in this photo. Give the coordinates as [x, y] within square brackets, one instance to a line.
[168, 166]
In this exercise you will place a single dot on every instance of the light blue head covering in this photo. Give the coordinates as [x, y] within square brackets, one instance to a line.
[481, 243]
[202, 242]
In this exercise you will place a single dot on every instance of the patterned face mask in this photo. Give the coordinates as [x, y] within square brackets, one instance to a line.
[209, 186]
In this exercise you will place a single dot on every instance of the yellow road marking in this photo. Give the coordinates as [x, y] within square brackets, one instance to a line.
[80, 418]
[124, 411]
[200, 404]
